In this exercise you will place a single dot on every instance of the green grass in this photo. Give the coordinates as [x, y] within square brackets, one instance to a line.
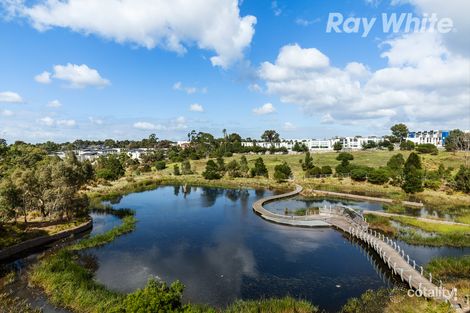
[444, 234]
[450, 268]
[283, 305]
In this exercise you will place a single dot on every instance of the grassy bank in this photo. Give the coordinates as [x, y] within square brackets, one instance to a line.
[413, 231]
[450, 268]
[15, 233]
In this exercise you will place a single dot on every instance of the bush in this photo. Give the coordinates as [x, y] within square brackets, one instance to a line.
[326, 170]
[427, 148]
[313, 172]
[282, 172]
[345, 156]
[160, 165]
[462, 179]
[378, 176]
[186, 168]
[233, 169]
[212, 171]
[407, 145]
[176, 170]
[259, 169]
[343, 168]
[359, 174]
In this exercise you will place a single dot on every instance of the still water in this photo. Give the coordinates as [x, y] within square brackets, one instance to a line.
[212, 241]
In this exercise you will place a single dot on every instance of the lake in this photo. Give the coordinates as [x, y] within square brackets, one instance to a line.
[212, 241]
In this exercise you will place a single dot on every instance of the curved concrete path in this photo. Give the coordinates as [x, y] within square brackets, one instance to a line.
[388, 249]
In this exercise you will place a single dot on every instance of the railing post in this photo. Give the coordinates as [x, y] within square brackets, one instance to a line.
[414, 264]
[430, 277]
[408, 258]
[401, 274]
[422, 270]
[409, 281]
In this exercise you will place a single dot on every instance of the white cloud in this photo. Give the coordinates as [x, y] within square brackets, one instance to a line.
[305, 22]
[48, 121]
[214, 25]
[188, 89]
[179, 123]
[423, 82]
[266, 108]
[255, 88]
[54, 104]
[10, 97]
[43, 78]
[276, 9]
[196, 107]
[67, 123]
[288, 126]
[146, 126]
[6, 113]
[96, 121]
[457, 10]
[79, 76]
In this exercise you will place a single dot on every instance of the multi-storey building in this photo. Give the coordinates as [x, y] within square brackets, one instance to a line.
[435, 137]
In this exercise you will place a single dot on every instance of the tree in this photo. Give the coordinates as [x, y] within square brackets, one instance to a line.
[244, 166]
[395, 166]
[270, 136]
[299, 147]
[221, 165]
[109, 167]
[427, 148]
[452, 141]
[282, 172]
[308, 162]
[413, 176]
[259, 169]
[344, 168]
[10, 199]
[186, 168]
[176, 170]
[345, 156]
[338, 146]
[462, 179]
[326, 170]
[399, 132]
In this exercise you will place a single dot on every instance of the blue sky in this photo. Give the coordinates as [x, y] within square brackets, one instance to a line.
[151, 69]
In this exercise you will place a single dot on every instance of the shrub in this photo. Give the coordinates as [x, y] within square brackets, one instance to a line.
[407, 145]
[378, 176]
[176, 170]
[212, 171]
[462, 179]
[233, 169]
[160, 165]
[313, 172]
[326, 170]
[186, 168]
[359, 174]
[427, 148]
[259, 169]
[282, 172]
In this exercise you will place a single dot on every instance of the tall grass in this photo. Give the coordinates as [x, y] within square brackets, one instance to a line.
[450, 268]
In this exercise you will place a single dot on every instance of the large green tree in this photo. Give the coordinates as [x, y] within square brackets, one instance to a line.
[270, 136]
[399, 132]
[413, 174]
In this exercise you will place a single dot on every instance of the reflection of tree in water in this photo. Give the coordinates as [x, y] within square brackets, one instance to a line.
[259, 192]
[232, 194]
[244, 196]
[186, 190]
[209, 195]
[176, 190]
[116, 199]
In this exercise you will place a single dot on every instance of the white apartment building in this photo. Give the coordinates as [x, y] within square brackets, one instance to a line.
[435, 137]
[349, 143]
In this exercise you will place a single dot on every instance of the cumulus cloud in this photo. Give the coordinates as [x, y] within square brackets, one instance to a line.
[54, 104]
[423, 82]
[49, 121]
[188, 89]
[146, 126]
[79, 76]
[43, 78]
[266, 108]
[214, 25]
[6, 113]
[196, 107]
[288, 126]
[10, 97]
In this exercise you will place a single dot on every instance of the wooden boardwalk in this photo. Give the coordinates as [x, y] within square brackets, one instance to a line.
[351, 222]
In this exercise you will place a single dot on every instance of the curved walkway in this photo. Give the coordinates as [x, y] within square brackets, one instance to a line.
[10, 252]
[388, 249]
